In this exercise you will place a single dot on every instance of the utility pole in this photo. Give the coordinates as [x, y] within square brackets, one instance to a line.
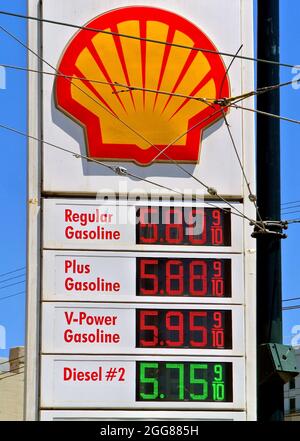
[269, 307]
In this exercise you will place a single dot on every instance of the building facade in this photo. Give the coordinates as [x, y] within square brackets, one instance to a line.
[12, 386]
[292, 395]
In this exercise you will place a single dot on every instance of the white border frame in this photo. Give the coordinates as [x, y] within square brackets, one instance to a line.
[49, 330]
[49, 375]
[160, 415]
[53, 220]
[249, 209]
[51, 293]
[32, 364]
[33, 217]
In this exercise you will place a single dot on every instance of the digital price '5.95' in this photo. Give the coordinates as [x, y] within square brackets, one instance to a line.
[184, 328]
[159, 225]
[184, 381]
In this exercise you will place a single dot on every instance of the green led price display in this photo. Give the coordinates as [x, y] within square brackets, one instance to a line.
[183, 381]
[184, 328]
[183, 226]
[183, 276]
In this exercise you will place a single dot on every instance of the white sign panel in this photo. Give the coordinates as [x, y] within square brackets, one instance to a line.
[112, 277]
[163, 415]
[109, 382]
[85, 224]
[142, 329]
[141, 265]
[217, 167]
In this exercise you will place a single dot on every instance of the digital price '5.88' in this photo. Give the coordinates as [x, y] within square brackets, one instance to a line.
[184, 381]
[159, 225]
[183, 277]
[184, 328]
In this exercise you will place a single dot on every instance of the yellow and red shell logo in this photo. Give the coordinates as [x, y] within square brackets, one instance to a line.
[136, 125]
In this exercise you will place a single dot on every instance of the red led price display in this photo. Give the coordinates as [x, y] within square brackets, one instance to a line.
[183, 277]
[184, 381]
[183, 226]
[183, 328]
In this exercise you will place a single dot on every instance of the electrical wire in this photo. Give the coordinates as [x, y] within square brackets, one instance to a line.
[141, 136]
[260, 112]
[12, 370]
[284, 210]
[290, 207]
[14, 359]
[11, 272]
[291, 299]
[77, 87]
[261, 91]
[9, 376]
[12, 295]
[114, 84]
[191, 48]
[110, 83]
[251, 196]
[116, 170]
[289, 203]
[12, 284]
[4, 373]
[12, 278]
[288, 308]
[134, 131]
[201, 99]
[290, 212]
[293, 221]
[182, 168]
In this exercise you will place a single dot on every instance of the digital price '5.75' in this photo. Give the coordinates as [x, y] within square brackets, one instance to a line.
[184, 381]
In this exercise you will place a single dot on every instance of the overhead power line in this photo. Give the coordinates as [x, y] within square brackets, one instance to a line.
[130, 88]
[12, 284]
[210, 190]
[251, 196]
[12, 295]
[117, 169]
[292, 221]
[11, 272]
[291, 299]
[272, 115]
[14, 359]
[8, 375]
[284, 210]
[291, 203]
[288, 308]
[133, 37]
[290, 212]
[12, 278]
[228, 102]
[135, 131]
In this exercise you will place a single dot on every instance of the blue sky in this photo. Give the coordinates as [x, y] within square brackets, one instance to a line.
[13, 177]
[13, 170]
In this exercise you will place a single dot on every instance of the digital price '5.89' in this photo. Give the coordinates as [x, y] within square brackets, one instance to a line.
[183, 277]
[184, 381]
[159, 225]
[184, 328]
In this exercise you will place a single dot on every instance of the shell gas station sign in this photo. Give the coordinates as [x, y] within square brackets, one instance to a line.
[141, 265]
[145, 122]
